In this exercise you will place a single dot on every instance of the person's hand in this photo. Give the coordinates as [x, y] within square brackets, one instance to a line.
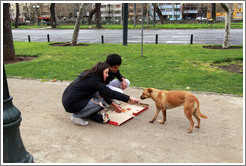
[117, 108]
[134, 100]
[123, 84]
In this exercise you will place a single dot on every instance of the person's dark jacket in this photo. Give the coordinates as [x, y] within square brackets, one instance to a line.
[79, 92]
[112, 75]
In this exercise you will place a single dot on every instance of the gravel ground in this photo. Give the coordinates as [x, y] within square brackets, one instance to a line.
[50, 136]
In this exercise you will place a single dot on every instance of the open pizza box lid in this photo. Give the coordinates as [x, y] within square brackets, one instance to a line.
[129, 112]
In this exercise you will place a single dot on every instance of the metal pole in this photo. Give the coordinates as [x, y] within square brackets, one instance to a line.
[191, 39]
[142, 30]
[13, 147]
[125, 23]
[48, 37]
[156, 39]
[102, 39]
[29, 38]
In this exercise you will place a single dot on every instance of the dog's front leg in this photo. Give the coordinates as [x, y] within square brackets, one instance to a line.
[164, 116]
[156, 114]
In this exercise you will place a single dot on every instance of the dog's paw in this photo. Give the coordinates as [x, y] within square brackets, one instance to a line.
[189, 131]
[151, 121]
[161, 121]
[197, 126]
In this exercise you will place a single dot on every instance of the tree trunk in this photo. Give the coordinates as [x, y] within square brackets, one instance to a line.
[53, 16]
[214, 11]
[122, 9]
[135, 14]
[74, 40]
[227, 24]
[8, 45]
[17, 15]
[91, 16]
[158, 11]
[98, 16]
[147, 14]
[154, 11]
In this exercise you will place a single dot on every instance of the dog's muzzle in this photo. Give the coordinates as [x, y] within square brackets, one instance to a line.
[141, 97]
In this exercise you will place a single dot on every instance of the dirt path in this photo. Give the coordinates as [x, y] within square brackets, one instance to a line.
[50, 136]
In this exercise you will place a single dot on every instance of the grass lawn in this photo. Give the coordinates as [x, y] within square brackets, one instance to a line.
[163, 66]
[236, 25]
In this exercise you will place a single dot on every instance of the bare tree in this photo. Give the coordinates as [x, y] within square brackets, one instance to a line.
[227, 24]
[17, 15]
[158, 11]
[92, 12]
[147, 14]
[98, 16]
[8, 45]
[74, 40]
[53, 16]
[214, 11]
[135, 14]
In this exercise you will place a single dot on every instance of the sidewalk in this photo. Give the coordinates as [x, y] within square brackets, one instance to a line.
[50, 136]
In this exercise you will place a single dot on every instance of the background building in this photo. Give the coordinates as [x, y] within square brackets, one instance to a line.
[170, 11]
[112, 12]
[190, 11]
[236, 9]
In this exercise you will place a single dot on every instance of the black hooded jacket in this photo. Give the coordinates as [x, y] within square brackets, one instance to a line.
[79, 92]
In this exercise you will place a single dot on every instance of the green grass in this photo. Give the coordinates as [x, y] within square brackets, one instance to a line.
[237, 25]
[163, 66]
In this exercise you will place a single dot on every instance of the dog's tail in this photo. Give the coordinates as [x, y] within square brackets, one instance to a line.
[198, 111]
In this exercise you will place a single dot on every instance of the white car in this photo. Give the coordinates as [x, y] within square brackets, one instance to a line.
[201, 18]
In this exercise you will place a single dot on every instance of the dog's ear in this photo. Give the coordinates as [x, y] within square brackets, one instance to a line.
[149, 90]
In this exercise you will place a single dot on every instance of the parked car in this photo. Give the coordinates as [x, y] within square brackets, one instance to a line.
[188, 18]
[201, 18]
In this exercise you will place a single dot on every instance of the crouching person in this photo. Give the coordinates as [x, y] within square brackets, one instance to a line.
[87, 95]
[120, 83]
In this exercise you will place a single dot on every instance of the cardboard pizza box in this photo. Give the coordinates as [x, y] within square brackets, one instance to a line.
[129, 112]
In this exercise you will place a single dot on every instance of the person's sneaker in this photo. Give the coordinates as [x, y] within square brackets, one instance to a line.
[105, 117]
[79, 121]
[100, 117]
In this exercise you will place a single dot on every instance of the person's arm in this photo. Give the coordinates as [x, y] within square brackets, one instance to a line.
[109, 94]
[117, 107]
[121, 79]
[119, 76]
[123, 83]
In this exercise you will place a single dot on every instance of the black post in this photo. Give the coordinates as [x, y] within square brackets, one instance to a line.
[156, 39]
[125, 23]
[102, 39]
[191, 39]
[13, 147]
[29, 38]
[48, 37]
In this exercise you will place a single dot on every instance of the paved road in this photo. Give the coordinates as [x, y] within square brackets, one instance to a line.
[204, 36]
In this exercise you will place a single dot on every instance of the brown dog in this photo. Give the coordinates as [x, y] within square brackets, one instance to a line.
[171, 99]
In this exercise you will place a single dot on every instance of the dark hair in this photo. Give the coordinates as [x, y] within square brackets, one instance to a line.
[97, 69]
[113, 59]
